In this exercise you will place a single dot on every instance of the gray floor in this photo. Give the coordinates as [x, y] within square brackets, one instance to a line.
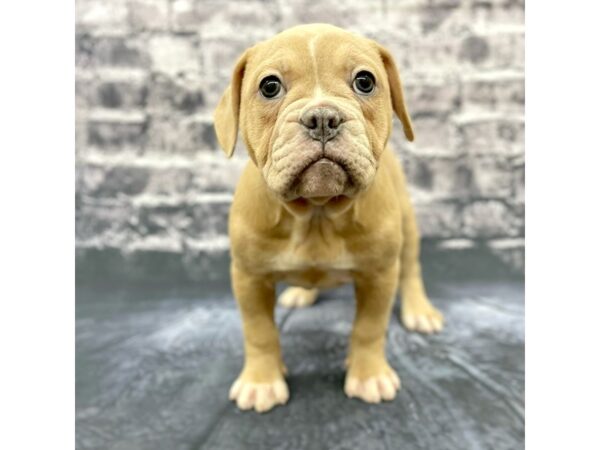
[154, 367]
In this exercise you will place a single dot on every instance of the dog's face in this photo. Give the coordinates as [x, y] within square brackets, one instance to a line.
[314, 105]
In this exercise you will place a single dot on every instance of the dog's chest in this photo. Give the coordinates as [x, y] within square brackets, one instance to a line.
[307, 272]
[314, 258]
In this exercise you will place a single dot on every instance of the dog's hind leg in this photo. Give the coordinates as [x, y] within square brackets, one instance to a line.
[297, 297]
[417, 312]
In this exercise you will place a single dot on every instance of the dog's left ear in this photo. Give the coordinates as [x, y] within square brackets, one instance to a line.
[396, 92]
[227, 114]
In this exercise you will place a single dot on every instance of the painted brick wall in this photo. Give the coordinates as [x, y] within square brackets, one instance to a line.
[151, 180]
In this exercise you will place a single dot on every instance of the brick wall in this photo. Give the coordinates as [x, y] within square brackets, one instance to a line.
[152, 184]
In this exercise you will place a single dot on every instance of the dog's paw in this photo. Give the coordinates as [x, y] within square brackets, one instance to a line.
[423, 318]
[259, 396]
[373, 389]
[297, 297]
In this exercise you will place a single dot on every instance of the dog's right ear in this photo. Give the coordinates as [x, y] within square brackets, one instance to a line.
[227, 114]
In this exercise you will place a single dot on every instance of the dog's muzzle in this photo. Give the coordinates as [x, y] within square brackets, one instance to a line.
[324, 177]
[321, 150]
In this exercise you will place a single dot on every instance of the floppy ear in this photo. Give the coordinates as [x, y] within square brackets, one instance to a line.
[227, 114]
[396, 92]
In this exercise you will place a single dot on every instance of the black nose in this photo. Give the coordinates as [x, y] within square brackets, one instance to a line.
[322, 123]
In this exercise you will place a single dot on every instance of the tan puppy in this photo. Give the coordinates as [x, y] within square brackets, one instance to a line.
[322, 202]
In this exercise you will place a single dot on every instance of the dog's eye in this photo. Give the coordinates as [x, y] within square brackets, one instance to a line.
[270, 86]
[364, 82]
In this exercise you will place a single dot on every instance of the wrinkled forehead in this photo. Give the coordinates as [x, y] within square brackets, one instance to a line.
[314, 57]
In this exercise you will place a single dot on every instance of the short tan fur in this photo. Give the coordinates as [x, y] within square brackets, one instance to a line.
[290, 222]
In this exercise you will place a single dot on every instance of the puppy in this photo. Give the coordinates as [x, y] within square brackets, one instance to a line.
[323, 201]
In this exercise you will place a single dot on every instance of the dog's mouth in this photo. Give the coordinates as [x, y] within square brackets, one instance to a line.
[321, 180]
[306, 169]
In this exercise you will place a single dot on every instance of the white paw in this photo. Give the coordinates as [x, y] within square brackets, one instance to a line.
[297, 297]
[259, 396]
[424, 319]
[374, 389]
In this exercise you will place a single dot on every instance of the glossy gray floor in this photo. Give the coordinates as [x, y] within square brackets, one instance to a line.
[154, 367]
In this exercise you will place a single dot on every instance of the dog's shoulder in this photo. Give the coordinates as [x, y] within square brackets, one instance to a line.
[253, 203]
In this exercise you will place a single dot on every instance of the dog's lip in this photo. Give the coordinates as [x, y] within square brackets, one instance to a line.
[290, 194]
[319, 201]
[337, 178]
[321, 160]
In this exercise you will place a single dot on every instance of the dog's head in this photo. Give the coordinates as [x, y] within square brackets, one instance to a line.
[314, 105]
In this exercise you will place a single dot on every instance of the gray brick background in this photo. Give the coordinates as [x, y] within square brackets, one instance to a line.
[153, 186]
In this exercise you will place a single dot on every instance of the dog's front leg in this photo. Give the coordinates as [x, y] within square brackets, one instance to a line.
[261, 384]
[369, 375]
